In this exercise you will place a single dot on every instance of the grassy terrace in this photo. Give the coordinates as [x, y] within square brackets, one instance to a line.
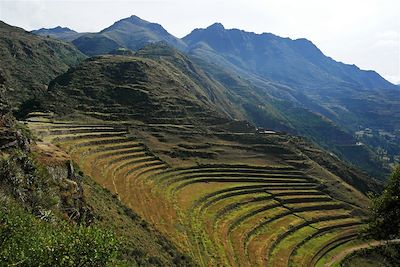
[235, 213]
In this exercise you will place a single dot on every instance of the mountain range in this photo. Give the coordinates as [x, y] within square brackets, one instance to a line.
[223, 148]
[276, 83]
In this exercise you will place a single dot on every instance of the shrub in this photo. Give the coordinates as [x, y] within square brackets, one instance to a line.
[28, 241]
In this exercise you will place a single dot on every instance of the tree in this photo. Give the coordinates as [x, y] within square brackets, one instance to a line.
[384, 222]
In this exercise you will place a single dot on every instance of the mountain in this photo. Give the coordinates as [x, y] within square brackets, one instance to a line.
[163, 136]
[132, 33]
[62, 33]
[298, 63]
[46, 200]
[157, 83]
[350, 98]
[190, 94]
[278, 83]
[155, 150]
[29, 62]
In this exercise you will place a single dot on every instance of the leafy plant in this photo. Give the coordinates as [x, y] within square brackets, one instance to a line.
[385, 211]
[28, 241]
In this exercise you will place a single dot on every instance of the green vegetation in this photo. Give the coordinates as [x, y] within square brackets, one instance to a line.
[380, 256]
[52, 215]
[384, 223]
[28, 63]
[276, 83]
[151, 160]
[220, 210]
[29, 241]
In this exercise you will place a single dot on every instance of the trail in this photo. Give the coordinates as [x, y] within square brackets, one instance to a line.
[340, 256]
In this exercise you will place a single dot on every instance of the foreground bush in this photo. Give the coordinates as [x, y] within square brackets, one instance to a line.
[28, 241]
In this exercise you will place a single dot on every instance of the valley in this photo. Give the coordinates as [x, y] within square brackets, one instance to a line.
[221, 148]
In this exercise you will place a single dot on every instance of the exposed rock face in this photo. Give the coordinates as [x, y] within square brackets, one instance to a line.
[61, 169]
[9, 137]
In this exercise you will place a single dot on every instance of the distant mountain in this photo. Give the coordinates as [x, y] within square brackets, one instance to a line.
[335, 88]
[62, 33]
[353, 99]
[276, 83]
[159, 83]
[296, 63]
[132, 33]
[29, 62]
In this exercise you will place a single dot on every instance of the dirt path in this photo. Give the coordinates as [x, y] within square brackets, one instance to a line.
[340, 256]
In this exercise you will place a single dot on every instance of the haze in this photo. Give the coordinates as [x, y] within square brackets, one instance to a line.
[361, 32]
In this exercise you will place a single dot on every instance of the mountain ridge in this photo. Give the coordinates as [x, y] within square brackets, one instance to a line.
[285, 71]
[179, 141]
[348, 96]
[58, 32]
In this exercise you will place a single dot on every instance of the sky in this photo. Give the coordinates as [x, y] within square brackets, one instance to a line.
[361, 32]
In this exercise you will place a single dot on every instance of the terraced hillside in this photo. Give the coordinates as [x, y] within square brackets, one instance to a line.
[232, 198]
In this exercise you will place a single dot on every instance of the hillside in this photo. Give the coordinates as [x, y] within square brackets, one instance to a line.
[147, 128]
[353, 99]
[28, 62]
[47, 203]
[174, 160]
[254, 70]
[52, 213]
[150, 87]
[190, 184]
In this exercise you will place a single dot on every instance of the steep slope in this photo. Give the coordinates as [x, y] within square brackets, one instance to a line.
[290, 80]
[283, 59]
[342, 91]
[62, 33]
[51, 213]
[161, 85]
[47, 202]
[28, 62]
[273, 106]
[353, 99]
[158, 132]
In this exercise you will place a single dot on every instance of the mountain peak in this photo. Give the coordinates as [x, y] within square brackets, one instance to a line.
[133, 33]
[216, 26]
[135, 19]
[55, 30]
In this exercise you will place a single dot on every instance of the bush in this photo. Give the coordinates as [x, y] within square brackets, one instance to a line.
[384, 222]
[28, 241]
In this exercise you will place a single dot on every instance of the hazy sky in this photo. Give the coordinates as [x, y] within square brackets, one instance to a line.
[361, 32]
